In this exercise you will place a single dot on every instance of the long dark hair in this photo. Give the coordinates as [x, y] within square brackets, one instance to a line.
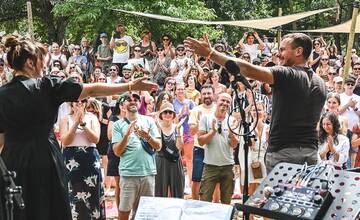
[332, 117]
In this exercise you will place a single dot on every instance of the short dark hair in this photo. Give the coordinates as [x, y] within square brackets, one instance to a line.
[207, 86]
[301, 40]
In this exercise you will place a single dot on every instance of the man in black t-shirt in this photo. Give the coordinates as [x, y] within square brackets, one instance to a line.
[298, 97]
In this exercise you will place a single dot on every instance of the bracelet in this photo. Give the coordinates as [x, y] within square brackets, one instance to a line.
[208, 57]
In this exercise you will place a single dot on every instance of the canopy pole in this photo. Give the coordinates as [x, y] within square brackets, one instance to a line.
[351, 39]
[30, 20]
[278, 34]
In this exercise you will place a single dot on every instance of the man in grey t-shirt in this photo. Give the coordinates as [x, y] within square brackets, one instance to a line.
[215, 134]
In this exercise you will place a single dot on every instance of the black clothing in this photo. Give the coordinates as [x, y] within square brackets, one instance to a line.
[28, 111]
[298, 98]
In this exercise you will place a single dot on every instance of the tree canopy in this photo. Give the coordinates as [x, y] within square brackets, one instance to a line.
[56, 20]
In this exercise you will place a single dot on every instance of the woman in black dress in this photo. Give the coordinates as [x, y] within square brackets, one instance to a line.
[28, 110]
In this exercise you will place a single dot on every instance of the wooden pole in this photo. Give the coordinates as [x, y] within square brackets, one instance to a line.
[278, 36]
[351, 39]
[30, 20]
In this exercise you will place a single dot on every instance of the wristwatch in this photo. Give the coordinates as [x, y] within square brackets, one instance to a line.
[82, 124]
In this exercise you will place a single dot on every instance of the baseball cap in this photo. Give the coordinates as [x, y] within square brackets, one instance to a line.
[338, 79]
[127, 95]
[350, 79]
[103, 35]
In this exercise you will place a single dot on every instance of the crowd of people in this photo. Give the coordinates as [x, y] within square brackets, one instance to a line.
[150, 142]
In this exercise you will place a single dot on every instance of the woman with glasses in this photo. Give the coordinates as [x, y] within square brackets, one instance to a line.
[162, 67]
[80, 132]
[330, 84]
[169, 50]
[28, 110]
[170, 179]
[323, 69]
[169, 85]
[333, 146]
[257, 148]
[318, 51]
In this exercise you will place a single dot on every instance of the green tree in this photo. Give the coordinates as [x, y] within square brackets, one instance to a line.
[91, 17]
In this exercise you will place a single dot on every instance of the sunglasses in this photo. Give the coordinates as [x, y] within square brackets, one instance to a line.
[171, 83]
[334, 74]
[246, 57]
[54, 64]
[353, 69]
[168, 112]
[76, 48]
[165, 39]
[137, 50]
[316, 44]
[101, 79]
[113, 69]
[1, 64]
[180, 49]
[132, 99]
[324, 59]
[350, 84]
[72, 67]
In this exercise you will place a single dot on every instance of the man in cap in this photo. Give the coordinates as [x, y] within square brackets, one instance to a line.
[338, 84]
[179, 64]
[104, 53]
[126, 72]
[130, 137]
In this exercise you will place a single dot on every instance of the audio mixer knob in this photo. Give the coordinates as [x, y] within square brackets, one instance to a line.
[318, 199]
[278, 191]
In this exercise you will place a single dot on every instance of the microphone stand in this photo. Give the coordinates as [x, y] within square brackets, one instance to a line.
[247, 143]
[10, 191]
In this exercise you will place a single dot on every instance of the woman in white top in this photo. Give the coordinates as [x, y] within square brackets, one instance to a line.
[80, 132]
[333, 146]
[260, 140]
[333, 105]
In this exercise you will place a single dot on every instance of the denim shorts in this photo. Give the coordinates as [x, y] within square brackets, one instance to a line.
[198, 164]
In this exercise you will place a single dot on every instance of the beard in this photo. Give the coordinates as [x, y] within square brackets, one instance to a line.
[207, 101]
[132, 108]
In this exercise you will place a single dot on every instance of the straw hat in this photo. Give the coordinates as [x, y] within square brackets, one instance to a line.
[167, 107]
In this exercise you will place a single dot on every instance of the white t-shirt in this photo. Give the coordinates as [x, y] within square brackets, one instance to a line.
[122, 49]
[218, 151]
[180, 64]
[252, 50]
[342, 148]
[349, 113]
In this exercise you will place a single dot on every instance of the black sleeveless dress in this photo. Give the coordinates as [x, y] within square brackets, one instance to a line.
[28, 111]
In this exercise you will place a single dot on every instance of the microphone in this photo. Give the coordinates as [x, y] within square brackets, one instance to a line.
[234, 69]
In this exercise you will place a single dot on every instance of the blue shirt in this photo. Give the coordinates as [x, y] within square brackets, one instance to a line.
[135, 161]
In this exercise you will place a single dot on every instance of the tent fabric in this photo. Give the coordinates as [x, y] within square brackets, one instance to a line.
[263, 24]
[340, 28]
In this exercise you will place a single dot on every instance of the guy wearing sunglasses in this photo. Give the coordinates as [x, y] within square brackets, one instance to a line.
[137, 167]
[219, 142]
[179, 64]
